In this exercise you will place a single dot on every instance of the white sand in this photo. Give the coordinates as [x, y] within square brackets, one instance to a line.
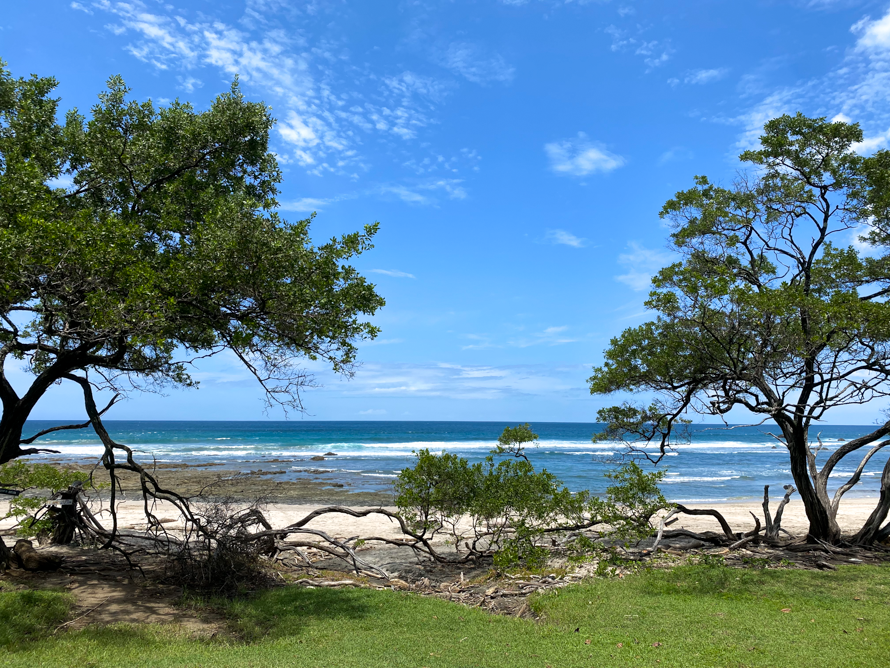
[852, 515]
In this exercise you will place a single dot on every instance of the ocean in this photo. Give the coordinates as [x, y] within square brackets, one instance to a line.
[718, 464]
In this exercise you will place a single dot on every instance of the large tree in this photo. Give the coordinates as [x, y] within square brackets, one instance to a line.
[773, 309]
[141, 238]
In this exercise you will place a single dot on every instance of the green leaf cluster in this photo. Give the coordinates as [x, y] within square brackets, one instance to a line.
[138, 238]
[770, 306]
[42, 480]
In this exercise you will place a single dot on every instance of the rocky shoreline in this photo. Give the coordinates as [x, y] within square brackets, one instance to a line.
[222, 481]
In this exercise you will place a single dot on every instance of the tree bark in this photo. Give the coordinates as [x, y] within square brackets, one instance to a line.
[11, 425]
[872, 527]
[822, 525]
[5, 556]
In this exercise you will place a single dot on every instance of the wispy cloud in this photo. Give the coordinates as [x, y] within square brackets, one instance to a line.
[463, 381]
[189, 84]
[556, 335]
[424, 193]
[79, 7]
[304, 205]
[642, 264]
[654, 52]
[675, 154]
[699, 77]
[475, 64]
[323, 108]
[874, 36]
[395, 273]
[373, 411]
[857, 88]
[579, 157]
[565, 238]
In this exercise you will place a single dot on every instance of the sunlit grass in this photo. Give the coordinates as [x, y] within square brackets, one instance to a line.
[690, 616]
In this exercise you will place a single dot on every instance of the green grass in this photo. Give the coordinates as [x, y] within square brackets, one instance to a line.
[701, 616]
[25, 615]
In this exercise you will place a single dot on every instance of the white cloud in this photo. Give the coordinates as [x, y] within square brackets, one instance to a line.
[642, 264]
[580, 157]
[474, 64]
[381, 342]
[698, 77]
[323, 108]
[64, 181]
[373, 411]
[565, 238]
[872, 143]
[422, 193]
[304, 205]
[395, 273]
[550, 336]
[189, 84]
[655, 53]
[874, 36]
[81, 8]
[857, 88]
[468, 382]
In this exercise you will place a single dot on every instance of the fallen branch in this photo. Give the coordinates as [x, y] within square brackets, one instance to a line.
[727, 530]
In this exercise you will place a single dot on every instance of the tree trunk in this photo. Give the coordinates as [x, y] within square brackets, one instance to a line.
[5, 556]
[872, 527]
[822, 525]
[11, 425]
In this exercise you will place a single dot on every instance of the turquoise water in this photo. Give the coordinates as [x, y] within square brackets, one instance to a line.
[718, 465]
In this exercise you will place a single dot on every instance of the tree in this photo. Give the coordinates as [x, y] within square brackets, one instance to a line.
[772, 309]
[162, 247]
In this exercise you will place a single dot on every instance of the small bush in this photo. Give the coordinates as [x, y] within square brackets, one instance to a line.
[502, 507]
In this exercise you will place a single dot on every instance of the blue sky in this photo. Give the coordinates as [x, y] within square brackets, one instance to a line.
[516, 153]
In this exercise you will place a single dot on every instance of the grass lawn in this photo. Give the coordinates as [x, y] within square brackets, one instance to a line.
[689, 616]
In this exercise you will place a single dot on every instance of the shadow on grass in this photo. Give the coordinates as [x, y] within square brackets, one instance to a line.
[285, 612]
[29, 615]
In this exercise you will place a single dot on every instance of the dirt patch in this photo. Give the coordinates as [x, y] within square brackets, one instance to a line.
[107, 591]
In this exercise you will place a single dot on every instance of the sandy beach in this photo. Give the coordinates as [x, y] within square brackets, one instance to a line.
[287, 501]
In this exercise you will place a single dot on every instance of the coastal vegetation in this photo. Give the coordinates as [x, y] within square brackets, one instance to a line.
[504, 509]
[776, 307]
[140, 239]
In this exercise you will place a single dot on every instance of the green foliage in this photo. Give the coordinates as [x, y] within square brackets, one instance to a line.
[711, 560]
[505, 507]
[769, 307]
[508, 503]
[632, 500]
[757, 562]
[513, 439]
[42, 477]
[166, 246]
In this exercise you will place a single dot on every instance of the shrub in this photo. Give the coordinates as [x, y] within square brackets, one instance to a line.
[502, 507]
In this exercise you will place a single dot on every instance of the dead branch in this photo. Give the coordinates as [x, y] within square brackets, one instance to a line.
[727, 530]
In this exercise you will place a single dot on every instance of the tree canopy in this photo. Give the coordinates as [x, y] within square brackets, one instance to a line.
[777, 306]
[139, 238]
